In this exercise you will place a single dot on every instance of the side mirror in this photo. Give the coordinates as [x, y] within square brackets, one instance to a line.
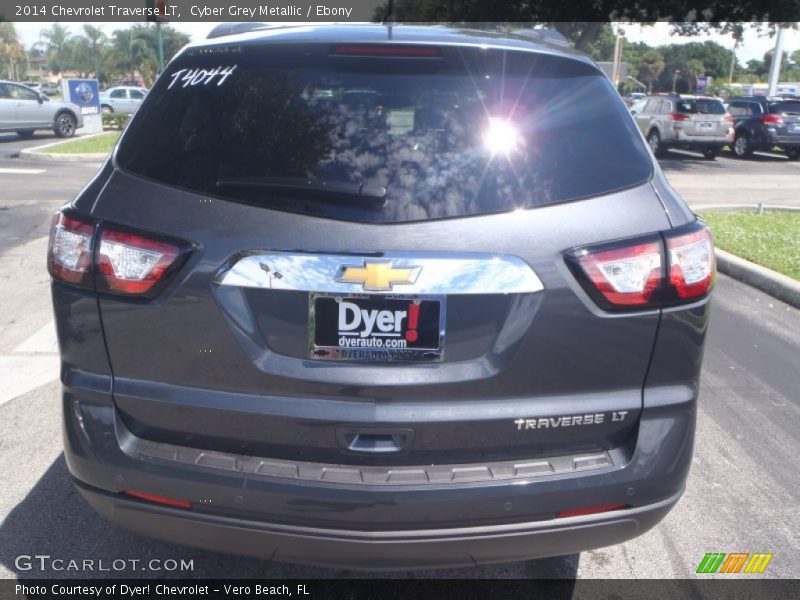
[633, 112]
[41, 98]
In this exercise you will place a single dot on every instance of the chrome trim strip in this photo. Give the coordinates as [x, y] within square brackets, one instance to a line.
[436, 273]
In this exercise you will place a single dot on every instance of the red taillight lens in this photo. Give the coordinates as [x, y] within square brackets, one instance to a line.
[591, 510]
[729, 118]
[132, 264]
[386, 50]
[69, 255]
[678, 117]
[692, 265]
[772, 119]
[156, 499]
[625, 275]
[651, 271]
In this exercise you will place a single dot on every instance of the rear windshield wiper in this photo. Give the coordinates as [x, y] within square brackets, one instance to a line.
[305, 188]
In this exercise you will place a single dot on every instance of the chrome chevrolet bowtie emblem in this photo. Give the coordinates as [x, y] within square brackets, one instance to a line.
[378, 276]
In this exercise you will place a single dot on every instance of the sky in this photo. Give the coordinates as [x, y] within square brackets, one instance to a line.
[753, 46]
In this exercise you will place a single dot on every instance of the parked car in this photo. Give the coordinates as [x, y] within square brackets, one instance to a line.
[35, 86]
[24, 110]
[698, 123]
[298, 327]
[122, 99]
[761, 123]
[49, 89]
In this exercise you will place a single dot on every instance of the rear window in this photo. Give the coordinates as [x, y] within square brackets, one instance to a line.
[785, 108]
[448, 132]
[701, 107]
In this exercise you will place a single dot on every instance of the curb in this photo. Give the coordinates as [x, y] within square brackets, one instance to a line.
[768, 281]
[36, 153]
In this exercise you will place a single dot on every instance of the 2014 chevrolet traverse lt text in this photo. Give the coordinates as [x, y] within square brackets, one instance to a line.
[374, 298]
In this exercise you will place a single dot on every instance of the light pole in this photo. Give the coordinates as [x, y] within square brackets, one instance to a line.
[675, 79]
[775, 66]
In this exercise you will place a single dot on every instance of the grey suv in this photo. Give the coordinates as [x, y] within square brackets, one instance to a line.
[696, 123]
[377, 298]
[25, 110]
[763, 123]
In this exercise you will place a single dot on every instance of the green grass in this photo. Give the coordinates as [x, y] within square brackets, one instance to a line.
[102, 143]
[771, 239]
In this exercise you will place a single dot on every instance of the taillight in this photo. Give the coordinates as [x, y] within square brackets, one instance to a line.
[652, 271]
[621, 275]
[772, 119]
[692, 265]
[678, 117]
[132, 264]
[729, 118]
[69, 255]
[111, 258]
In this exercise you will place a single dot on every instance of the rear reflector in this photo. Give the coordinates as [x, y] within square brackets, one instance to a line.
[626, 275]
[692, 265]
[578, 512]
[154, 498]
[130, 263]
[69, 255]
[386, 50]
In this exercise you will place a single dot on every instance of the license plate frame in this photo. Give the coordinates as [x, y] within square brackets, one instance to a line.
[706, 125]
[325, 341]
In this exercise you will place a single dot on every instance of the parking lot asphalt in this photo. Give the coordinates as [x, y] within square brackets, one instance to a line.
[743, 494]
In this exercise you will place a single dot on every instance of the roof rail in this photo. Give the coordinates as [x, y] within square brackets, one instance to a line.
[234, 28]
[543, 34]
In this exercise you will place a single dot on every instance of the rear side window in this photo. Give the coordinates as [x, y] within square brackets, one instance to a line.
[701, 107]
[448, 132]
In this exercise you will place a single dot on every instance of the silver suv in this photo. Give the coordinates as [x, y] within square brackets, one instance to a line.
[698, 123]
[25, 110]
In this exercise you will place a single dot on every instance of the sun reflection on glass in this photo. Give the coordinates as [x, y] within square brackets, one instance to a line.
[501, 136]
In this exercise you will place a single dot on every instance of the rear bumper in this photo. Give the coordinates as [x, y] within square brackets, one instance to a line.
[380, 527]
[466, 546]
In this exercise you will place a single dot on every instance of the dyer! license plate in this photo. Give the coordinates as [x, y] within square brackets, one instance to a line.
[376, 328]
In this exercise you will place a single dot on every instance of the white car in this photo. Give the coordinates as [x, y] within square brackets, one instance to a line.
[25, 110]
[122, 99]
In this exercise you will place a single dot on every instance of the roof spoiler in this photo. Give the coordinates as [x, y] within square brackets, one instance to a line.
[234, 28]
[543, 35]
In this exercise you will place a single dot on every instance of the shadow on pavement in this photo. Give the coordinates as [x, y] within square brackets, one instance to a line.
[54, 520]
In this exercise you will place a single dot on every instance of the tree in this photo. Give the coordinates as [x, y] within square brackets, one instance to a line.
[97, 44]
[693, 69]
[55, 40]
[650, 67]
[12, 52]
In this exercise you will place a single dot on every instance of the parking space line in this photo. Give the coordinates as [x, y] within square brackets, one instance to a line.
[42, 342]
[22, 171]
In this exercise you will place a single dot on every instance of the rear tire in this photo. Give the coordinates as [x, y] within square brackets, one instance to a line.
[654, 141]
[107, 109]
[711, 153]
[65, 125]
[793, 153]
[742, 148]
[26, 134]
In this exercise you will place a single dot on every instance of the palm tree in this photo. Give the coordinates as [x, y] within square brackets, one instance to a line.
[694, 68]
[97, 41]
[650, 67]
[12, 52]
[55, 41]
[129, 54]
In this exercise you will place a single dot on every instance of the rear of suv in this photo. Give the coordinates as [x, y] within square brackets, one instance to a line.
[762, 123]
[375, 298]
[697, 123]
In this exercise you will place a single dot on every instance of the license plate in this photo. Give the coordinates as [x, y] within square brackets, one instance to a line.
[376, 328]
[706, 125]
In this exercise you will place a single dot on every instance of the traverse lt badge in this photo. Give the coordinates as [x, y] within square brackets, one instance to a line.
[378, 276]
